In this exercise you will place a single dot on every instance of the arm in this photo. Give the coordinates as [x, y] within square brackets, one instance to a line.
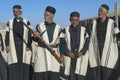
[86, 44]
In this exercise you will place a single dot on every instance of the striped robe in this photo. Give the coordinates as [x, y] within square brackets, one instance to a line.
[43, 60]
[109, 56]
[82, 62]
[11, 55]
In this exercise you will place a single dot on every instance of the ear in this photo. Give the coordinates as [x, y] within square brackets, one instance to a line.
[21, 12]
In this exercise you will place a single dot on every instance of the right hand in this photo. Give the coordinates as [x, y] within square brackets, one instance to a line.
[71, 55]
[35, 34]
[8, 48]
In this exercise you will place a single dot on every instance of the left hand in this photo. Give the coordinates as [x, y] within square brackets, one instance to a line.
[79, 54]
[27, 49]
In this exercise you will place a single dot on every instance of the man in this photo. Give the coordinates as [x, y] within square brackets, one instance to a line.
[46, 67]
[103, 43]
[3, 65]
[18, 43]
[77, 43]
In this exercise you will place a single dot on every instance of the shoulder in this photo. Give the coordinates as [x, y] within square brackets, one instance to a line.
[83, 27]
[111, 20]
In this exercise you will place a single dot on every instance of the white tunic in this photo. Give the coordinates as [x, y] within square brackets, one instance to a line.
[110, 49]
[44, 60]
[82, 62]
[11, 55]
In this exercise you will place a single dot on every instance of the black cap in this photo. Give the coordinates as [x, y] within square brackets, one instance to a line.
[105, 6]
[50, 9]
[17, 7]
[75, 14]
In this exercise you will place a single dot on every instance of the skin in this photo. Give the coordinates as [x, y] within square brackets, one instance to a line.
[102, 13]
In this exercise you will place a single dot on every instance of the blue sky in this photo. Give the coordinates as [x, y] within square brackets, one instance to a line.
[34, 9]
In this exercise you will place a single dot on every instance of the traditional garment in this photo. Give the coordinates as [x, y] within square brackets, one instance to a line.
[76, 40]
[104, 46]
[3, 65]
[45, 64]
[18, 37]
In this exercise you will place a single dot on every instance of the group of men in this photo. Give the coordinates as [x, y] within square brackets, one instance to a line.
[86, 53]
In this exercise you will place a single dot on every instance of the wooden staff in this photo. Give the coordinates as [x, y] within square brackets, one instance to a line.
[43, 42]
[116, 14]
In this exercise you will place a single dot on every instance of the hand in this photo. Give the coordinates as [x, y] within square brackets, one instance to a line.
[71, 55]
[27, 49]
[79, 54]
[62, 58]
[36, 34]
[7, 48]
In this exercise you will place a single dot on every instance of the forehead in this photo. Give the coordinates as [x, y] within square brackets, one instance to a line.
[16, 9]
[48, 13]
[75, 17]
[102, 9]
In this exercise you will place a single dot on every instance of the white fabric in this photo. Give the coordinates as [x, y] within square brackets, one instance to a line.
[11, 56]
[93, 48]
[82, 62]
[110, 49]
[44, 61]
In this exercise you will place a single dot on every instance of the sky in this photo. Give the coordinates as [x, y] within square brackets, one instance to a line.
[33, 10]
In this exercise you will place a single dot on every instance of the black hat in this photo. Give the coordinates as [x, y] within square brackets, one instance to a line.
[75, 14]
[17, 7]
[105, 6]
[50, 9]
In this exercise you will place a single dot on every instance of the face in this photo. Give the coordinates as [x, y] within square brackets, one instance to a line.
[75, 21]
[48, 16]
[102, 12]
[17, 12]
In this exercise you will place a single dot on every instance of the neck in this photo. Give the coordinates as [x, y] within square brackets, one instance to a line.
[74, 26]
[103, 18]
[49, 22]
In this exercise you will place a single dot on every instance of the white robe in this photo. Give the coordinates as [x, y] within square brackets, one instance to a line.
[110, 49]
[11, 55]
[4, 55]
[82, 62]
[44, 60]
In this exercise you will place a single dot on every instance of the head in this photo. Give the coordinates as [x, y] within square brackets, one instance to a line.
[17, 11]
[74, 18]
[49, 14]
[103, 11]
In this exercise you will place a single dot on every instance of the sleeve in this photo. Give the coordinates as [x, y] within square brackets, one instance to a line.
[7, 35]
[63, 48]
[86, 44]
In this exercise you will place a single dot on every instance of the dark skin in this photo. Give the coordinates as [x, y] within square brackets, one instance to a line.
[74, 22]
